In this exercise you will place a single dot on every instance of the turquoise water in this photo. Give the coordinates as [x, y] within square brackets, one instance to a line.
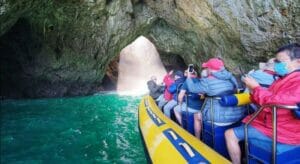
[95, 129]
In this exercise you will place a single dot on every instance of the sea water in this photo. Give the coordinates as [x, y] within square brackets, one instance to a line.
[96, 129]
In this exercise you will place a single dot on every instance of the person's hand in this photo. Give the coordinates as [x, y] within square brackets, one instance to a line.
[171, 72]
[250, 82]
[189, 74]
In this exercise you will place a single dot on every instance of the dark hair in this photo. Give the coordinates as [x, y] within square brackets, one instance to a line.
[292, 49]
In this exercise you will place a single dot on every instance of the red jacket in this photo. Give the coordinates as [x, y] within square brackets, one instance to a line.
[168, 81]
[285, 91]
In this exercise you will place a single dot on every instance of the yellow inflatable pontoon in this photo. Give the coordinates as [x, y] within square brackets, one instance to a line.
[167, 142]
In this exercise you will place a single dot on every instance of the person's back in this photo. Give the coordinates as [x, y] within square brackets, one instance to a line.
[194, 100]
[155, 90]
[167, 96]
[168, 80]
[175, 87]
[219, 82]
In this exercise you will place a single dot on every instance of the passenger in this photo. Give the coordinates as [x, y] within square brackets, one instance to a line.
[168, 80]
[285, 90]
[173, 89]
[193, 105]
[155, 89]
[218, 82]
[265, 76]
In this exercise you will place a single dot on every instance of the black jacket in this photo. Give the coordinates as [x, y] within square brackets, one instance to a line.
[155, 90]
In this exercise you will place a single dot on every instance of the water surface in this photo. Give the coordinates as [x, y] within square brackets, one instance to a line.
[95, 129]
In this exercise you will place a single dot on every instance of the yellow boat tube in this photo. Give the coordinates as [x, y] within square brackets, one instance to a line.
[167, 142]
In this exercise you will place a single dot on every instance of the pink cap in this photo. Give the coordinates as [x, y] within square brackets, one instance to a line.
[214, 64]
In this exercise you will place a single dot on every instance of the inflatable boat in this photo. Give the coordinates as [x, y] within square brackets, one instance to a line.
[167, 142]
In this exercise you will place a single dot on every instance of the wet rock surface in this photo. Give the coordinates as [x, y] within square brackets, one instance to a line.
[57, 48]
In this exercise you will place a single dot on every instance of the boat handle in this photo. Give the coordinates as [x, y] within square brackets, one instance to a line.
[149, 110]
[188, 149]
[173, 135]
[158, 120]
[146, 102]
[153, 115]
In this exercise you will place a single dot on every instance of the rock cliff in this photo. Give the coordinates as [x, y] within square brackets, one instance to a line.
[54, 48]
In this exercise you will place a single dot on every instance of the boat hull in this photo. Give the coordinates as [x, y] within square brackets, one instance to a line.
[166, 142]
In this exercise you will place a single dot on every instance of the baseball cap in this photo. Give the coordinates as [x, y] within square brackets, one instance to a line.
[214, 64]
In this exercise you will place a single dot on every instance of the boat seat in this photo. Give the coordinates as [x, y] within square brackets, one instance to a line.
[215, 137]
[264, 149]
[188, 122]
[259, 152]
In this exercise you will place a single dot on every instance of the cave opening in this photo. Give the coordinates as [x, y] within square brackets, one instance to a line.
[172, 61]
[137, 62]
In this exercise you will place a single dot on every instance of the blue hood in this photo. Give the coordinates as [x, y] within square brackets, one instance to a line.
[222, 75]
[262, 77]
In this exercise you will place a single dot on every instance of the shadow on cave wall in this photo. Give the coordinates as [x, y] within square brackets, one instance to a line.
[32, 68]
[172, 61]
[110, 79]
[25, 75]
[18, 48]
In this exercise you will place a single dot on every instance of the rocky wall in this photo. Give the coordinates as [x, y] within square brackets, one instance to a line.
[54, 48]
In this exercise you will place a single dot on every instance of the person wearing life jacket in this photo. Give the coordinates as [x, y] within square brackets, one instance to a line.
[173, 89]
[168, 80]
[284, 91]
[219, 82]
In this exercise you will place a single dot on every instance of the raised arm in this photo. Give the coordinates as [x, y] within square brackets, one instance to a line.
[199, 86]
